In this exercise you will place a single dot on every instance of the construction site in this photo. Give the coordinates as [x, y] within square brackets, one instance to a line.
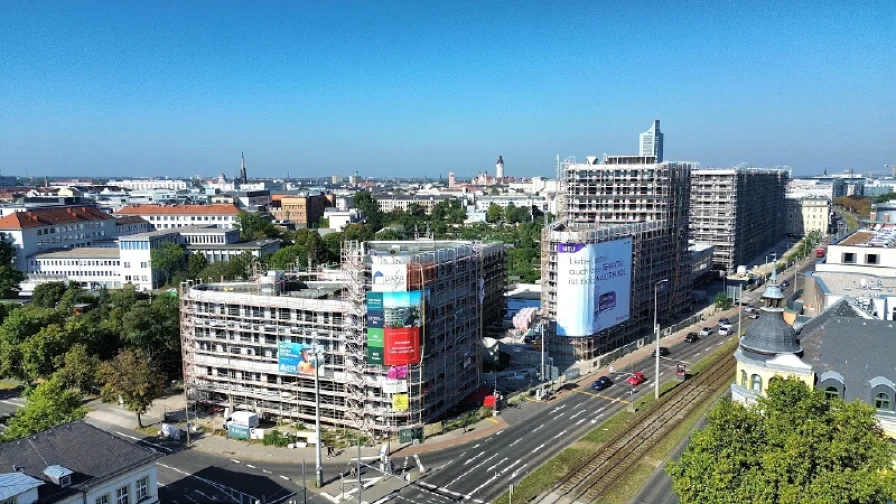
[741, 211]
[390, 339]
[607, 200]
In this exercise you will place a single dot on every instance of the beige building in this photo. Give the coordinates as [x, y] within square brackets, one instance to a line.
[304, 211]
[804, 215]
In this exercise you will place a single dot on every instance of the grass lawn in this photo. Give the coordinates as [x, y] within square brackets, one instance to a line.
[149, 430]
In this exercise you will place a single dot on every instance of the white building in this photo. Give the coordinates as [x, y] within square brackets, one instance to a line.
[48, 229]
[884, 212]
[175, 216]
[151, 184]
[650, 143]
[56, 466]
[518, 200]
[804, 215]
[389, 203]
[338, 219]
[871, 252]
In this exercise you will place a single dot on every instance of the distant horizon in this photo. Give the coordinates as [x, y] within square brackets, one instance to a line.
[400, 88]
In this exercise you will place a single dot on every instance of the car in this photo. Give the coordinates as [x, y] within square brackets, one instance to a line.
[706, 331]
[753, 316]
[724, 321]
[725, 330]
[691, 338]
[750, 309]
[785, 284]
[636, 378]
[601, 383]
[663, 352]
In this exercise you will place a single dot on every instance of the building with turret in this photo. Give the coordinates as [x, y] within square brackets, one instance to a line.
[499, 168]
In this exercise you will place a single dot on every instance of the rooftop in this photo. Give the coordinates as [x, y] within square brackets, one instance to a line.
[179, 210]
[129, 219]
[251, 245]
[82, 253]
[74, 446]
[52, 216]
[855, 284]
[885, 238]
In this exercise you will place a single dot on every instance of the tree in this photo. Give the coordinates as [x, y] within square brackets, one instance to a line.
[333, 247]
[510, 213]
[494, 213]
[794, 446]
[46, 295]
[134, 379]
[154, 329]
[49, 405]
[41, 352]
[195, 264]
[388, 234]
[79, 369]
[10, 276]
[253, 226]
[169, 259]
[722, 301]
[367, 204]
[20, 325]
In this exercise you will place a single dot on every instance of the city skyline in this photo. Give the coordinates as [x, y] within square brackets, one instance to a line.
[408, 90]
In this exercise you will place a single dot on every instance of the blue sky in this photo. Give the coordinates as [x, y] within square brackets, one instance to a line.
[414, 88]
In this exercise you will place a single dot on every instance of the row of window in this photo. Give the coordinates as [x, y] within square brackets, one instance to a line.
[68, 238]
[852, 258]
[123, 494]
[882, 400]
[135, 245]
[192, 218]
[73, 262]
[80, 273]
[65, 229]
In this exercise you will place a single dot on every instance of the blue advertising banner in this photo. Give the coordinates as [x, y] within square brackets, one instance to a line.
[295, 358]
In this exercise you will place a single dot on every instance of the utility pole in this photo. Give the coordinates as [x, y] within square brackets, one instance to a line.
[360, 481]
[656, 328]
[740, 307]
[319, 468]
[541, 375]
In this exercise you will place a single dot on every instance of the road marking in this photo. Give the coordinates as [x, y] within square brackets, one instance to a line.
[266, 471]
[283, 477]
[539, 447]
[558, 408]
[17, 405]
[250, 466]
[455, 480]
[577, 406]
[490, 419]
[594, 420]
[580, 421]
[499, 432]
[493, 478]
[192, 499]
[200, 492]
[334, 500]
[577, 414]
[515, 442]
[492, 468]
[560, 434]
[614, 399]
[517, 472]
[167, 450]
[698, 353]
[474, 458]
[603, 408]
[537, 428]
[477, 445]
[235, 461]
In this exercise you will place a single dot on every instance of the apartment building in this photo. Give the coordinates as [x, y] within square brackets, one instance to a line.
[741, 211]
[161, 217]
[389, 203]
[518, 200]
[805, 215]
[46, 229]
[303, 210]
[399, 336]
[640, 208]
[151, 184]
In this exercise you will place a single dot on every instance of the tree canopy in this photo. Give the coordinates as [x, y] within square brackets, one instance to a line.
[46, 295]
[795, 446]
[134, 378]
[169, 258]
[10, 276]
[253, 226]
[48, 405]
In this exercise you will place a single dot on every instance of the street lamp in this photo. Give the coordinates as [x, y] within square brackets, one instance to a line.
[656, 328]
[318, 353]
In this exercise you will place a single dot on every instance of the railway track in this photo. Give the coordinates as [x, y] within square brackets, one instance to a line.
[608, 465]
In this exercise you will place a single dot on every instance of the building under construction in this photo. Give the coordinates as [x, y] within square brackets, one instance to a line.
[741, 211]
[399, 333]
[611, 199]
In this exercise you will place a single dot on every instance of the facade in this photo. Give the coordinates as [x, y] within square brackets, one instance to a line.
[741, 211]
[131, 224]
[151, 184]
[884, 213]
[47, 229]
[394, 357]
[805, 215]
[518, 200]
[499, 168]
[303, 211]
[162, 217]
[338, 219]
[389, 203]
[650, 143]
[55, 466]
[701, 261]
[250, 201]
[869, 252]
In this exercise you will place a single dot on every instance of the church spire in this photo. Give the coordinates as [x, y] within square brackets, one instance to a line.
[243, 176]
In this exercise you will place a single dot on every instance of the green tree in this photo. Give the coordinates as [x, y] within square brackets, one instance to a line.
[357, 232]
[134, 379]
[41, 352]
[254, 226]
[79, 369]
[388, 234]
[333, 247]
[154, 329]
[794, 447]
[367, 204]
[49, 405]
[46, 295]
[510, 214]
[722, 301]
[170, 258]
[195, 264]
[20, 325]
[10, 277]
[494, 213]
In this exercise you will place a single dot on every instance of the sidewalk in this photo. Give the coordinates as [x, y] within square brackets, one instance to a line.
[480, 430]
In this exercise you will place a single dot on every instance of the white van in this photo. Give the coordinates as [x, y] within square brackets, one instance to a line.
[725, 330]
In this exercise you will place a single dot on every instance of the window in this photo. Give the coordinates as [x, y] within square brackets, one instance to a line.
[102, 499]
[11, 500]
[882, 401]
[127, 265]
[144, 265]
[743, 379]
[871, 259]
[123, 495]
[142, 488]
[831, 393]
[757, 383]
[65, 481]
[849, 258]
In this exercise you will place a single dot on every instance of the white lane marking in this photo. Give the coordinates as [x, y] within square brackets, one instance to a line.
[235, 461]
[601, 409]
[283, 477]
[577, 406]
[539, 447]
[334, 500]
[266, 471]
[493, 478]
[720, 343]
[515, 442]
[17, 405]
[517, 472]
[577, 414]
[428, 487]
[560, 434]
[594, 420]
[698, 353]
[558, 408]
[166, 450]
[192, 499]
[455, 480]
[494, 466]
[499, 432]
[537, 428]
[474, 458]
[250, 466]
[477, 445]
[200, 492]
[580, 421]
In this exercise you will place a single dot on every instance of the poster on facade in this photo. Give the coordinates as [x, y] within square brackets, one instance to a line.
[400, 402]
[295, 358]
[593, 286]
[389, 277]
[394, 386]
[375, 344]
[403, 315]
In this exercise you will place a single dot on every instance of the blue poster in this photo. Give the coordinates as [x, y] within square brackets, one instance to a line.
[295, 358]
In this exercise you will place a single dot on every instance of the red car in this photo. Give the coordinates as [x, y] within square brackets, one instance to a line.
[636, 379]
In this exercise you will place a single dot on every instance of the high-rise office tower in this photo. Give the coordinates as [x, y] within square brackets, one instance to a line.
[651, 142]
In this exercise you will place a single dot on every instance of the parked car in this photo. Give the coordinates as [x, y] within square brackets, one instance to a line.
[636, 378]
[663, 352]
[691, 338]
[706, 331]
[785, 284]
[753, 316]
[724, 321]
[750, 309]
[601, 383]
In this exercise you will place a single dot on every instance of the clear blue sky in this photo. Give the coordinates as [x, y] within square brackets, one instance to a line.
[412, 88]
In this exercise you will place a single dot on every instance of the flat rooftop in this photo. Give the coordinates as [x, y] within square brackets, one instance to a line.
[851, 284]
[250, 245]
[288, 288]
[82, 253]
[885, 238]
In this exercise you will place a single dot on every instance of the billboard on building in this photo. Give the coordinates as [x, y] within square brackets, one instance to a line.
[400, 402]
[403, 317]
[295, 358]
[389, 277]
[375, 320]
[594, 285]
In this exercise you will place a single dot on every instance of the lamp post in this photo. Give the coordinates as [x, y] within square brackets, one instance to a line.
[318, 465]
[656, 328]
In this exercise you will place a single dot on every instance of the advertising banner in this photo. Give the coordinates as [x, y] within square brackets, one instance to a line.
[375, 344]
[235, 431]
[295, 358]
[394, 386]
[402, 328]
[593, 286]
[389, 277]
[400, 402]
